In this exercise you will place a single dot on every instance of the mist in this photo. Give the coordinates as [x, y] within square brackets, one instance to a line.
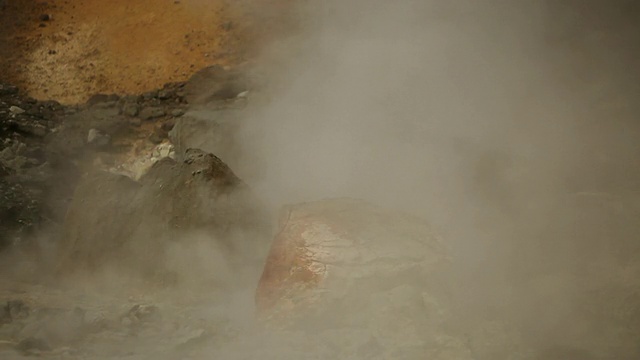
[493, 120]
[511, 127]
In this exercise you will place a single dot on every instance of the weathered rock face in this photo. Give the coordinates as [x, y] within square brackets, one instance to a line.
[114, 220]
[26, 172]
[345, 263]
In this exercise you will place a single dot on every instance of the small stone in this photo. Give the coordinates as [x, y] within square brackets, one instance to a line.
[177, 112]
[135, 122]
[102, 98]
[155, 138]
[131, 110]
[243, 94]
[45, 17]
[149, 95]
[98, 138]
[32, 129]
[151, 113]
[163, 150]
[39, 130]
[143, 313]
[165, 94]
[16, 110]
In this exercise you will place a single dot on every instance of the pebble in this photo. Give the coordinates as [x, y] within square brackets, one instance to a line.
[16, 110]
[131, 109]
[151, 113]
[177, 112]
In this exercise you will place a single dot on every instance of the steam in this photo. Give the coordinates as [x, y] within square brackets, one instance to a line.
[483, 117]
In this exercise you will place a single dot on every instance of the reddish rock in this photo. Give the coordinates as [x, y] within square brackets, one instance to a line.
[328, 254]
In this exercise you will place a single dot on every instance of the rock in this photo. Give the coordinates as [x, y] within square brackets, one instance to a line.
[45, 17]
[97, 138]
[150, 95]
[163, 150]
[168, 125]
[72, 136]
[345, 263]
[16, 110]
[165, 94]
[151, 113]
[110, 99]
[117, 221]
[214, 83]
[144, 313]
[32, 129]
[155, 138]
[177, 112]
[131, 109]
[135, 122]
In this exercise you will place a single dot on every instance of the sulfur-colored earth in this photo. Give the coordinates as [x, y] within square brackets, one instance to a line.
[117, 46]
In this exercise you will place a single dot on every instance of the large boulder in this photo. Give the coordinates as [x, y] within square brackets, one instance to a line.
[344, 263]
[140, 227]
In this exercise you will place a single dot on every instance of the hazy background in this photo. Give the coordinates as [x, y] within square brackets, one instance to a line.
[509, 125]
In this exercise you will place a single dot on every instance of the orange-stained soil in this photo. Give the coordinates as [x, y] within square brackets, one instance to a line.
[118, 46]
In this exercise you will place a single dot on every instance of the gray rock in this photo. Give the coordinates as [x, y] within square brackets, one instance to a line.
[177, 112]
[165, 94]
[151, 113]
[132, 224]
[131, 109]
[97, 138]
[110, 99]
[33, 129]
[16, 110]
[68, 141]
[150, 95]
[141, 313]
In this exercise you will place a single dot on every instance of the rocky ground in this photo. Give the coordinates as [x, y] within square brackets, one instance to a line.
[127, 231]
[71, 50]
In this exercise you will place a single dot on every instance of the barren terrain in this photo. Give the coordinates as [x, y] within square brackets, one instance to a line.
[69, 50]
[335, 179]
